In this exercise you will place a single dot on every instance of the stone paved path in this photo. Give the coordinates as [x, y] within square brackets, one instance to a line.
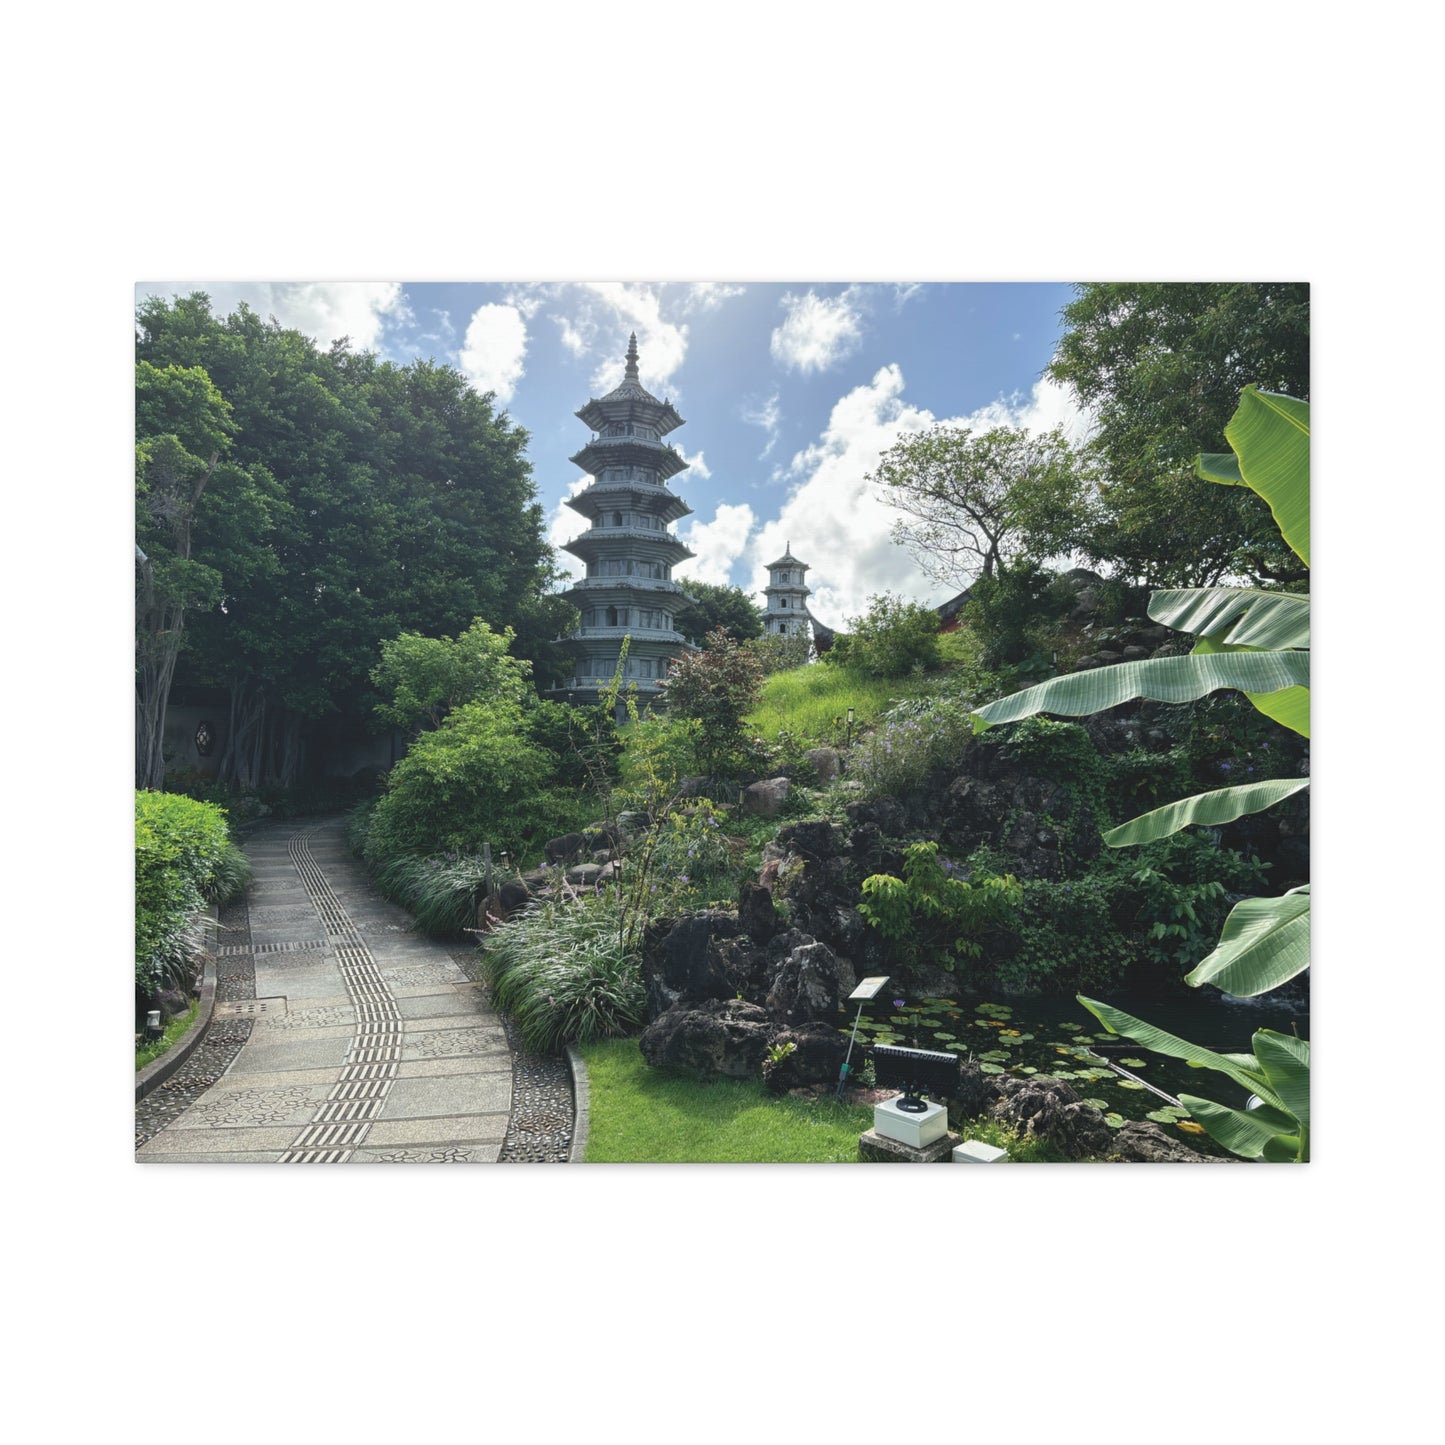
[368, 1042]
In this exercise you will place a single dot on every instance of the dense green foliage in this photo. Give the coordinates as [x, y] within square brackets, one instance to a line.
[398, 500]
[706, 606]
[912, 740]
[1161, 365]
[421, 679]
[931, 914]
[478, 778]
[182, 863]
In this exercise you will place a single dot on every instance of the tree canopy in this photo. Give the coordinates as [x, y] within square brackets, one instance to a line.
[710, 605]
[402, 502]
[1162, 365]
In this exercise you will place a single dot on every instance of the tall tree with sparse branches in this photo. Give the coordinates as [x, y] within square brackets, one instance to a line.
[972, 501]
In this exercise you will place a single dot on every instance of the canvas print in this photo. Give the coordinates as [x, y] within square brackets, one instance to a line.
[735, 722]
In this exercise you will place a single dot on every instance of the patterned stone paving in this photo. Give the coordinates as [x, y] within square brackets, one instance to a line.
[312, 885]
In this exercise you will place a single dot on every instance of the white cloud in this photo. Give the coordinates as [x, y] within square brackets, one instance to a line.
[718, 544]
[323, 310]
[577, 335]
[698, 468]
[626, 307]
[818, 330]
[769, 416]
[709, 295]
[491, 356]
[833, 518]
[1046, 406]
[904, 292]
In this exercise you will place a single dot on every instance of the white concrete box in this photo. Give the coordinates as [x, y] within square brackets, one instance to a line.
[915, 1130]
[975, 1151]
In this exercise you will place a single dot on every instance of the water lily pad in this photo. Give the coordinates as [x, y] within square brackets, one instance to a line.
[1114, 1121]
[1027, 1069]
[957, 1048]
[996, 1056]
[1072, 1028]
[1130, 1084]
[1135, 1063]
[1160, 1116]
[990, 1068]
[1099, 1074]
[1097, 1103]
[946, 1037]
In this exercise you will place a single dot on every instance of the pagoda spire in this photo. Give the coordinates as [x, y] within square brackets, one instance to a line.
[631, 373]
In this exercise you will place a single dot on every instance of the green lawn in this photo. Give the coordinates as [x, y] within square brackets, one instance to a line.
[174, 1029]
[640, 1115]
[810, 702]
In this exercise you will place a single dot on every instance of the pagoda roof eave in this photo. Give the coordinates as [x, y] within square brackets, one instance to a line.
[615, 407]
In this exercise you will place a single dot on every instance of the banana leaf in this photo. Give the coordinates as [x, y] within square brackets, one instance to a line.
[1270, 435]
[1164, 679]
[1209, 810]
[1118, 1022]
[1290, 706]
[1270, 621]
[1288, 1072]
[1243, 1131]
[1265, 942]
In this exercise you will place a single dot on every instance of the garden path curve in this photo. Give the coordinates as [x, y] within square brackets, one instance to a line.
[367, 1042]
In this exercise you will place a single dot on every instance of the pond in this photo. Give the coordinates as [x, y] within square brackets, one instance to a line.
[1045, 1037]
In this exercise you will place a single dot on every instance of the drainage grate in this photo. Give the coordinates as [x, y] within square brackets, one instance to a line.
[250, 1007]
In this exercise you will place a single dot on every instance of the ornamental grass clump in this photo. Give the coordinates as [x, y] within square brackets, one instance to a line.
[562, 973]
[443, 894]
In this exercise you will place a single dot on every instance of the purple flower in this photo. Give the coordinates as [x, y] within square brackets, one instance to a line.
[898, 1003]
[683, 879]
[1225, 767]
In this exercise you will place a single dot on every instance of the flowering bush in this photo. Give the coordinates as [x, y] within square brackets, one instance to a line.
[911, 740]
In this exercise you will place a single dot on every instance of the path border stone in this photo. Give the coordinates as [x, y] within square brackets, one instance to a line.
[581, 1104]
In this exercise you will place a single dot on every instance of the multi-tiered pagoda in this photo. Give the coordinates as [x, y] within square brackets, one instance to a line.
[787, 606]
[628, 550]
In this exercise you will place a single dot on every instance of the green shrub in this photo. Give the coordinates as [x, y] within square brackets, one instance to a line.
[442, 894]
[181, 855]
[1016, 614]
[477, 778]
[933, 915]
[1067, 940]
[892, 639]
[561, 971]
[716, 688]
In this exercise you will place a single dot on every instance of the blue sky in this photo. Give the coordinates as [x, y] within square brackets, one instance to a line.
[790, 392]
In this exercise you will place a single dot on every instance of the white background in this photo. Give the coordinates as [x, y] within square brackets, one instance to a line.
[920, 142]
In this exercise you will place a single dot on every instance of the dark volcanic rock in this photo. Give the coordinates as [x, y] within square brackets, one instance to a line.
[1142, 1142]
[810, 985]
[818, 1051]
[1051, 1110]
[725, 1036]
[756, 915]
[679, 963]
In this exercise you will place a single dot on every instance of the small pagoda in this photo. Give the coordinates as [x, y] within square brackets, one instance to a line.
[628, 551]
[786, 613]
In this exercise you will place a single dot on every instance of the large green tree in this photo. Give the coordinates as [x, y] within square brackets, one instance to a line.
[971, 501]
[1161, 366]
[408, 506]
[201, 532]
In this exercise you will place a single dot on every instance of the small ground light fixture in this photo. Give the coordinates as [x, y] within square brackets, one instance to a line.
[153, 1024]
[850, 727]
[869, 988]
